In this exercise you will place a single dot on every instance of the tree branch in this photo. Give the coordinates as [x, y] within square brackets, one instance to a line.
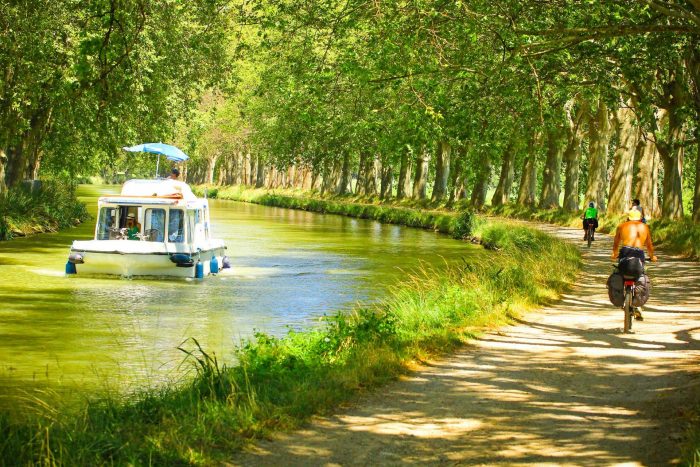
[680, 13]
[425, 72]
[612, 31]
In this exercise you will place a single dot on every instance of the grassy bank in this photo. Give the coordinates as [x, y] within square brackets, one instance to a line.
[691, 448]
[438, 220]
[47, 208]
[675, 237]
[279, 382]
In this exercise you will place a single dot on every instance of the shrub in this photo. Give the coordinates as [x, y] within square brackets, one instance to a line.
[465, 224]
[48, 207]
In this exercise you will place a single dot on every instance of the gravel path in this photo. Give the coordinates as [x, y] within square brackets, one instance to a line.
[562, 387]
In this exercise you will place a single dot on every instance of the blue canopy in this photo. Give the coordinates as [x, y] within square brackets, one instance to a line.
[170, 152]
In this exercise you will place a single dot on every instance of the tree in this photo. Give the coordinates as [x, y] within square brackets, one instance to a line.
[83, 79]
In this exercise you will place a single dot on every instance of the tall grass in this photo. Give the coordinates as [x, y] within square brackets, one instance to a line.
[680, 237]
[278, 383]
[690, 454]
[50, 207]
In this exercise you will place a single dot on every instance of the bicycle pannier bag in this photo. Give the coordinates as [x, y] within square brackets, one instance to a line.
[616, 289]
[631, 267]
[642, 290]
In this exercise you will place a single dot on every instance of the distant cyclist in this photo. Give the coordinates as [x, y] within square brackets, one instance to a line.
[590, 216]
[636, 203]
[630, 239]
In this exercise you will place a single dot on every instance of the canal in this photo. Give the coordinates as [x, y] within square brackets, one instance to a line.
[81, 335]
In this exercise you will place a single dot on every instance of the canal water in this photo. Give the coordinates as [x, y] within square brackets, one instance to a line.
[83, 335]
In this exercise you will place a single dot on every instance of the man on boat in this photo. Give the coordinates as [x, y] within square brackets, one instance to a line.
[133, 228]
[174, 174]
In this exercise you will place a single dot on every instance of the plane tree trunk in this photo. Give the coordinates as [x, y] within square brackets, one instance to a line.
[505, 181]
[527, 194]
[482, 179]
[623, 161]
[260, 176]
[646, 180]
[404, 183]
[572, 154]
[211, 165]
[442, 170]
[671, 148]
[457, 173]
[344, 183]
[696, 193]
[599, 132]
[420, 179]
[3, 163]
[551, 176]
[387, 182]
[362, 173]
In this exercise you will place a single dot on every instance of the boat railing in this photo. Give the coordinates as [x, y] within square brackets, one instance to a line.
[149, 235]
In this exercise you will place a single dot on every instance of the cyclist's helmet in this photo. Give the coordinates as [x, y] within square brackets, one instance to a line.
[591, 204]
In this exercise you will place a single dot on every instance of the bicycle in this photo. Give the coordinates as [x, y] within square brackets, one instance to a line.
[627, 307]
[590, 231]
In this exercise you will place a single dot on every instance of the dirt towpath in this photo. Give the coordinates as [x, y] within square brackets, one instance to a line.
[562, 387]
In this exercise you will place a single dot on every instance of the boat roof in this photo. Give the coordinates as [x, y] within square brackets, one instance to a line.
[166, 188]
[164, 191]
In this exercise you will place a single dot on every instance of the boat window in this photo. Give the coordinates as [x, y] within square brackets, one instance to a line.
[154, 225]
[206, 223]
[129, 211]
[106, 222]
[176, 226]
[199, 226]
[191, 219]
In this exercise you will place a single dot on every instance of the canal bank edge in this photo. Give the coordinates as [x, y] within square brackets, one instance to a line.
[439, 221]
[280, 383]
[678, 237]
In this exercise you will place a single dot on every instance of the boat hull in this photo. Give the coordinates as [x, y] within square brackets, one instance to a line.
[126, 258]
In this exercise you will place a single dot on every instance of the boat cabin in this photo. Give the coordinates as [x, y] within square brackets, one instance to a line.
[154, 211]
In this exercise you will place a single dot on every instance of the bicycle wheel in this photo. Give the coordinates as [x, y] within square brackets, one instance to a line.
[590, 236]
[629, 311]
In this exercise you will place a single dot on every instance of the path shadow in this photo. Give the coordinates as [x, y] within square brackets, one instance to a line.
[563, 386]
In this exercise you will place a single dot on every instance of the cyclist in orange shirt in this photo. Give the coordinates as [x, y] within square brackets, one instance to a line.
[631, 237]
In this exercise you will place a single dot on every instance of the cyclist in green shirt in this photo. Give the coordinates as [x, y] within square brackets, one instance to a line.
[590, 215]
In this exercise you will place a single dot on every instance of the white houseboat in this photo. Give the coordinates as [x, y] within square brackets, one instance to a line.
[153, 228]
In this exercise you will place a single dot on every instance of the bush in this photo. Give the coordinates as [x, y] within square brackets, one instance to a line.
[465, 224]
[50, 206]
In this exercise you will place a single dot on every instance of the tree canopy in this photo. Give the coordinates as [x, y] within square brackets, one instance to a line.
[547, 103]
